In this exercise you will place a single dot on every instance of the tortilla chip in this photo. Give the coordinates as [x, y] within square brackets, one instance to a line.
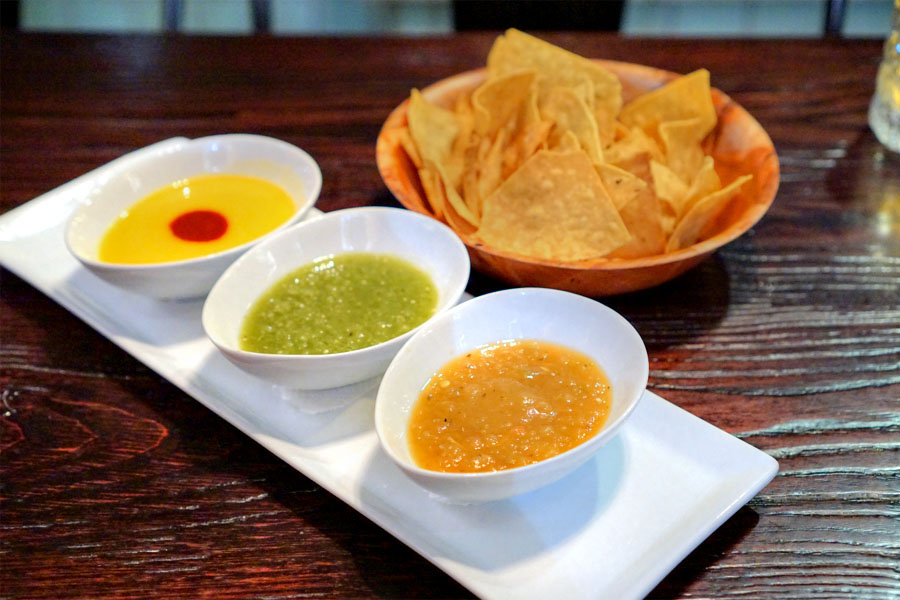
[619, 131]
[526, 143]
[465, 120]
[686, 97]
[491, 170]
[501, 99]
[633, 144]
[584, 89]
[457, 222]
[432, 128]
[681, 140]
[515, 51]
[642, 216]
[705, 182]
[401, 134]
[669, 187]
[434, 191]
[638, 165]
[553, 208]
[567, 143]
[687, 231]
[568, 112]
[454, 200]
[622, 186]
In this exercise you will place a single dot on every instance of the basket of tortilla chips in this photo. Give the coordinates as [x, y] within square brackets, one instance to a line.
[592, 176]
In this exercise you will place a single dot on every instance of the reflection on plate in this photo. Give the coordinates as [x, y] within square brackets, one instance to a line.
[650, 496]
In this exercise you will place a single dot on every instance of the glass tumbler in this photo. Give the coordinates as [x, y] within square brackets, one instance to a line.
[884, 112]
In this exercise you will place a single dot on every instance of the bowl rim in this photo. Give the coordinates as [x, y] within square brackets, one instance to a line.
[86, 202]
[608, 430]
[453, 295]
[387, 167]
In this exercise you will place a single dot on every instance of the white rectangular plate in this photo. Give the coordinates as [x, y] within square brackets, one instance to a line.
[612, 529]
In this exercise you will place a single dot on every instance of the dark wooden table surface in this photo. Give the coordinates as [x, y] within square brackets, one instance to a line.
[115, 484]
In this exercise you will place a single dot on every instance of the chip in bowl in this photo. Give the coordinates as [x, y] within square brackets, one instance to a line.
[546, 160]
[554, 206]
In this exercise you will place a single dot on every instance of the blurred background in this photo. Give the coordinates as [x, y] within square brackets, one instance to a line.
[678, 18]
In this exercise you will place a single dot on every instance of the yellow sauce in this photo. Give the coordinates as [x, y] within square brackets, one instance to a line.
[195, 217]
[507, 405]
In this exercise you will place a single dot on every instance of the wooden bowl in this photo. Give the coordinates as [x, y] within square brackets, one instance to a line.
[738, 144]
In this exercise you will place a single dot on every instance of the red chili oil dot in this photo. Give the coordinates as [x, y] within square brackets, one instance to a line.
[199, 226]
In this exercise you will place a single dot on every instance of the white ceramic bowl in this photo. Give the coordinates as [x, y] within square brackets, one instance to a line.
[242, 154]
[528, 313]
[424, 242]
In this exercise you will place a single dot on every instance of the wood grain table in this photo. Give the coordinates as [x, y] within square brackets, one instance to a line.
[115, 484]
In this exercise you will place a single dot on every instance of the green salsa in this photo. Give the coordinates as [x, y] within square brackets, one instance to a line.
[339, 303]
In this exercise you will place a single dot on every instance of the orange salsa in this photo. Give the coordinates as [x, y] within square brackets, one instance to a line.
[507, 405]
